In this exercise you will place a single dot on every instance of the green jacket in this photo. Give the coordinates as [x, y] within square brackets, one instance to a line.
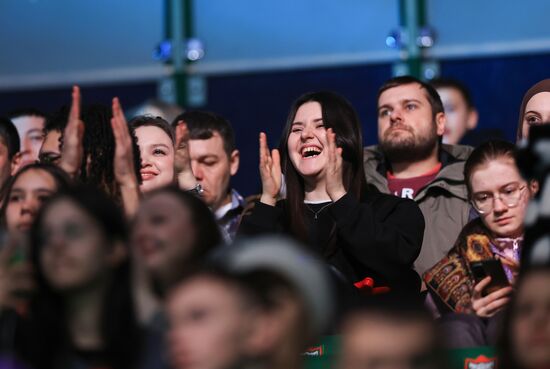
[444, 201]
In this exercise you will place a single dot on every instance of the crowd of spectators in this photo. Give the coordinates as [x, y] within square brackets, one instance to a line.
[124, 244]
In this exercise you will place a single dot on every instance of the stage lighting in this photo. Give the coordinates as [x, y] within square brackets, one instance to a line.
[163, 52]
[426, 37]
[396, 39]
[193, 50]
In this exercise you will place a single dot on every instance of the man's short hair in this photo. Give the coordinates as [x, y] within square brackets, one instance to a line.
[26, 112]
[457, 85]
[431, 93]
[203, 124]
[58, 120]
[9, 136]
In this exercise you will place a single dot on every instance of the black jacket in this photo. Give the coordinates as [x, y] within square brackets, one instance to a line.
[379, 237]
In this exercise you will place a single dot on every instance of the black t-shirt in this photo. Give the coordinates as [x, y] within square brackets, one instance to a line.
[378, 237]
[319, 225]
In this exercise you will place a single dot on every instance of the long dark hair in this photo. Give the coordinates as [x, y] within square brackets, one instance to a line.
[47, 340]
[97, 167]
[10, 137]
[338, 114]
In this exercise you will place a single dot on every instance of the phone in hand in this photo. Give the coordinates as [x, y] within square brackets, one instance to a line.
[20, 247]
[490, 268]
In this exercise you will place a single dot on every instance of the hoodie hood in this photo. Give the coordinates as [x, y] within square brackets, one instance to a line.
[542, 86]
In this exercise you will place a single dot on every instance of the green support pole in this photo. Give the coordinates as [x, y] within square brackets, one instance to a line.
[167, 19]
[178, 28]
[177, 38]
[180, 83]
[188, 20]
[412, 16]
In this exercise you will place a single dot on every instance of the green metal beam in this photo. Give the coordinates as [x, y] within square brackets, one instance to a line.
[179, 27]
[188, 19]
[167, 19]
[412, 17]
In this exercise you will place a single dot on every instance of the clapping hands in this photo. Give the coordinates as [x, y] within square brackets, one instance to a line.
[334, 172]
[124, 169]
[270, 172]
[182, 160]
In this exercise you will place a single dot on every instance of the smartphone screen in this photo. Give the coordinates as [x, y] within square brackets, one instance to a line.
[492, 268]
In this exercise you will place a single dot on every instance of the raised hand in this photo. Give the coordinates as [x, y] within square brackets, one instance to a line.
[72, 151]
[487, 306]
[124, 169]
[334, 173]
[270, 172]
[182, 160]
[123, 164]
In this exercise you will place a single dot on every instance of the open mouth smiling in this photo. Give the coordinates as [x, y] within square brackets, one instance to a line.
[310, 152]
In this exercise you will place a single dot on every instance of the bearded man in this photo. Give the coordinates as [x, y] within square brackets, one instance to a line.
[410, 161]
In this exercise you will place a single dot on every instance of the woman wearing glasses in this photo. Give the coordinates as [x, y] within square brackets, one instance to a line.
[466, 280]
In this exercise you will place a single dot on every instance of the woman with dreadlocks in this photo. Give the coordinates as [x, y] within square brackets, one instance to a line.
[87, 153]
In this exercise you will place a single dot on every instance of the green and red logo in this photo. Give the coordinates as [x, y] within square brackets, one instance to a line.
[480, 362]
[315, 351]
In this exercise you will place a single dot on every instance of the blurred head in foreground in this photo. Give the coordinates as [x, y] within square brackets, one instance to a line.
[525, 340]
[172, 231]
[385, 333]
[260, 303]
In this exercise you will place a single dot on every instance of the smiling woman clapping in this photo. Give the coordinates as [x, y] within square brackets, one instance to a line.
[371, 239]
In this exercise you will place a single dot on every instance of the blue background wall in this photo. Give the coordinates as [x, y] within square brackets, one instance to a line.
[48, 42]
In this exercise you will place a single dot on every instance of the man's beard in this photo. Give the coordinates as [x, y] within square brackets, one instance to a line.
[413, 148]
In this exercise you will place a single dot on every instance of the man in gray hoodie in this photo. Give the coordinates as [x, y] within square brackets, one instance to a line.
[410, 161]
